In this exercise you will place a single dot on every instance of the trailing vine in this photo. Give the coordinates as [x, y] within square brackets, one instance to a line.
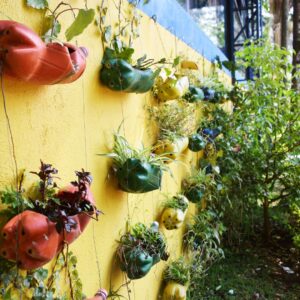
[59, 208]
[52, 27]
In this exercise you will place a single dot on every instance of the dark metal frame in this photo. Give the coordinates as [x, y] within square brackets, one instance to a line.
[243, 21]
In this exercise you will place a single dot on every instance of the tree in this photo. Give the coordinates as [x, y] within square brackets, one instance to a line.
[296, 40]
[265, 172]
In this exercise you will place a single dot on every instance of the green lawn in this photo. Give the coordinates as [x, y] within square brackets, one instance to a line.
[253, 274]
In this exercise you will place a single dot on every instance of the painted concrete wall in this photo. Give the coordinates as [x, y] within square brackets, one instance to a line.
[67, 125]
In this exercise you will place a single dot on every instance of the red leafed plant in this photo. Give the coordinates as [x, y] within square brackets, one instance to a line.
[55, 218]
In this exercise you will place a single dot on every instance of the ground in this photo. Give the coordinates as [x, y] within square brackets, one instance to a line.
[256, 271]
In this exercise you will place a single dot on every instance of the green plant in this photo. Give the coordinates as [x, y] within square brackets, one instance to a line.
[203, 239]
[140, 248]
[177, 202]
[52, 26]
[204, 235]
[44, 199]
[122, 151]
[177, 271]
[125, 28]
[119, 71]
[260, 168]
[137, 170]
[199, 184]
[174, 119]
[41, 283]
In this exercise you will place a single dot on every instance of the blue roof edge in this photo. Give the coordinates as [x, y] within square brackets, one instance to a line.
[170, 15]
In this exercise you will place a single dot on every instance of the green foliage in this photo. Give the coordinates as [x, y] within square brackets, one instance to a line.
[83, 19]
[52, 27]
[260, 145]
[14, 202]
[203, 240]
[146, 239]
[117, 39]
[177, 201]
[205, 233]
[246, 275]
[178, 271]
[173, 118]
[199, 178]
[122, 151]
[124, 53]
[41, 283]
[126, 27]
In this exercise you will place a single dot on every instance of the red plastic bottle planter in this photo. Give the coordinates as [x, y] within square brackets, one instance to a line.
[25, 56]
[32, 240]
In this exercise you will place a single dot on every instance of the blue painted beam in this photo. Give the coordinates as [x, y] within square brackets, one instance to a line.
[170, 15]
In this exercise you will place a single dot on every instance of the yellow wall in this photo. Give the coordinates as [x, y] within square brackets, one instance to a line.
[67, 125]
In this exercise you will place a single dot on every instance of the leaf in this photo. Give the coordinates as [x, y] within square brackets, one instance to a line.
[53, 31]
[83, 19]
[7, 295]
[38, 4]
[176, 61]
[126, 54]
[107, 34]
[141, 60]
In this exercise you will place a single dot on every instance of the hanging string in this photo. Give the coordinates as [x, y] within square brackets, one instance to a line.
[160, 38]
[12, 143]
[86, 167]
[6, 16]
[11, 139]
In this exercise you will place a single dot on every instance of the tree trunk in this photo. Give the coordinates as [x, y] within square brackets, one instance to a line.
[276, 11]
[267, 225]
[296, 39]
[284, 23]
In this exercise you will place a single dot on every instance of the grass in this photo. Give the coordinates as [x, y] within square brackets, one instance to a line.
[253, 274]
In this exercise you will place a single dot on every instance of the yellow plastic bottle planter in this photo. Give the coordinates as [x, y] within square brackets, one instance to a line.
[172, 88]
[172, 148]
[174, 291]
[189, 64]
[173, 218]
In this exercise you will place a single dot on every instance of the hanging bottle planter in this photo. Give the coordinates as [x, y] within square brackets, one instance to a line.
[119, 75]
[137, 171]
[140, 249]
[176, 277]
[170, 87]
[211, 133]
[209, 94]
[195, 193]
[194, 94]
[35, 236]
[195, 185]
[175, 121]
[137, 176]
[26, 57]
[196, 142]
[171, 148]
[174, 212]
[205, 165]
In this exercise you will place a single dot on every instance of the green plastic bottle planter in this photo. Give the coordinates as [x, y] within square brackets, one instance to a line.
[194, 95]
[136, 176]
[205, 164]
[196, 142]
[118, 75]
[194, 194]
[136, 263]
